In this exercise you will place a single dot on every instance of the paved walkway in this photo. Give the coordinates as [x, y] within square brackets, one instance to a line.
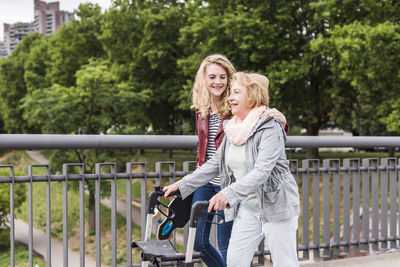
[382, 260]
[37, 156]
[40, 246]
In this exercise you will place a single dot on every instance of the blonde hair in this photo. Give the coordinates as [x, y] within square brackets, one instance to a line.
[201, 98]
[257, 87]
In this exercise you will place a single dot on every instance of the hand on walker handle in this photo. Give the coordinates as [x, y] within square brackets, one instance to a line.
[169, 189]
[217, 202]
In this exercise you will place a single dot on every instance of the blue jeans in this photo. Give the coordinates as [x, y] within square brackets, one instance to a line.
[211, 256]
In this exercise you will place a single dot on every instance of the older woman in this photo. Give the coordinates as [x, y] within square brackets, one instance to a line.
[258, 190]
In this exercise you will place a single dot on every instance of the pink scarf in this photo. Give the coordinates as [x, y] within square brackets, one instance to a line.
[237, 131]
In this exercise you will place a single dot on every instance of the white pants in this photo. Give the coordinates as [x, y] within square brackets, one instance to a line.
[247, 233]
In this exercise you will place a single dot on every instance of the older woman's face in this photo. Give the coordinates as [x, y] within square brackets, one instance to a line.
[239, 100]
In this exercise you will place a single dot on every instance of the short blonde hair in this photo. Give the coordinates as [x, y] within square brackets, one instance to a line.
[201, 98]
[257, 87]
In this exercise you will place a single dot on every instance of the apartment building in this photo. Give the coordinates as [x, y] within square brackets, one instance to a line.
[14, 33]
[47, 19]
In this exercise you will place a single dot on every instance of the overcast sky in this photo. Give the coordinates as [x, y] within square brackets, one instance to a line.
[12, 11]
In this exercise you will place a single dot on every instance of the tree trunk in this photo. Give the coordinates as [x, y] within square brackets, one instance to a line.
[312, 130]
[391, 151]
[140, 151]
[311, 153]
[92, 212]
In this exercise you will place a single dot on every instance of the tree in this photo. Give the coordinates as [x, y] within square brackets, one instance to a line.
[365, 59]
[95, 105]
[74, 44]
[13, 87]
[141, 41]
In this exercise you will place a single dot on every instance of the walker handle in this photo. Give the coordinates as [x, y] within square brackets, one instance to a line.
[199, 209]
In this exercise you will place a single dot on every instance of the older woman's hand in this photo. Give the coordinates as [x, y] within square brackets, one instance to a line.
[169, 189]
[217, 202]
[273, 112]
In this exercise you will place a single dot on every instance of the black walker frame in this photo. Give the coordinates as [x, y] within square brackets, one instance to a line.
[158, 252]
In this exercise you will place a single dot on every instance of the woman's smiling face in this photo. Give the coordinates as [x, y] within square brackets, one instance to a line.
[239, 100]
[216, 80]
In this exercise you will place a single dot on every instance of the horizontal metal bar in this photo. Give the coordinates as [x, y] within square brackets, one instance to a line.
[107, 176]
[62, 141]
[103, 176]
[65, 141]
[343, 141]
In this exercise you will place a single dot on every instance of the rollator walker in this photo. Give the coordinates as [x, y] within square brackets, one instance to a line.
[162, 252]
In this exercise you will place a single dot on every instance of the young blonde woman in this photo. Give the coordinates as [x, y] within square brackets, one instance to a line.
[210, 99]
[258, 190]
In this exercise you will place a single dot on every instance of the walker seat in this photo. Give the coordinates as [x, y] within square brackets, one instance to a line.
[161, 251]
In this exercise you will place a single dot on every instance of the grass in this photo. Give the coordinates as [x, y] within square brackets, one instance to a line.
[21, 257]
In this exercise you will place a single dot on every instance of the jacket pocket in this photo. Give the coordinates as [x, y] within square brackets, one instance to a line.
[275, 202]
[271, 193]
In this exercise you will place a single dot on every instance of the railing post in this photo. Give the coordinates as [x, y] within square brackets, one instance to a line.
[12, 217]
[398, 231]
[65, 215]
[48, 215]
[97, 215]
[334, 169]
[393, 203]
[355, 163]
[365, 206]
[348, 164]
[327, 209]
[143, 196]
[114, 215]
[384, 203]
[82, 214]
[316, 206]
[305, 184]
[30, 216]
[113, 167]
[374, 174]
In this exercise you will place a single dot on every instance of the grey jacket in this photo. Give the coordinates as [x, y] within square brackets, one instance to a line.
[269, 175]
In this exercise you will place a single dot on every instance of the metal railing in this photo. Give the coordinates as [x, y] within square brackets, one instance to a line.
[357, 201]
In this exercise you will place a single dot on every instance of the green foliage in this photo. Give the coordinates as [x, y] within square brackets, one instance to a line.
[132, 67]
[141, 39]
[73, 45]
[365, 69]
[13, 87]
[21, 257]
